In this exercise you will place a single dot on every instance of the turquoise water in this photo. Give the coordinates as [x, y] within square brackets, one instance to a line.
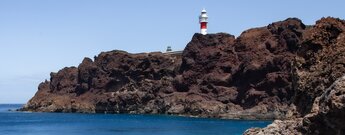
[19, 123]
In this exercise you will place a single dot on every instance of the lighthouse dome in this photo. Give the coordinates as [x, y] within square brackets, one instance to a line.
[203, 16]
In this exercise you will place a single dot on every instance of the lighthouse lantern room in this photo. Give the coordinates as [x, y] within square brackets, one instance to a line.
[203, 22]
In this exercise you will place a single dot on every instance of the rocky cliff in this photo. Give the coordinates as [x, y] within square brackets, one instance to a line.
[319, 78]
[282, 71]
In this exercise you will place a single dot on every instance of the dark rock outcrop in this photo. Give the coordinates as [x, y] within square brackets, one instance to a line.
[326, 116]
[282, 71]
[215, 76]
[320, 83]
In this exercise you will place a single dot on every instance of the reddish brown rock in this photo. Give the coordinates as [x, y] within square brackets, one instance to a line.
[319, 83]
[281, 71]
[215, 76]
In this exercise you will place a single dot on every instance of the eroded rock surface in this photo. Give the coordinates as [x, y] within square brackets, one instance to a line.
[319, 78]
[282, 71]
[326, 116]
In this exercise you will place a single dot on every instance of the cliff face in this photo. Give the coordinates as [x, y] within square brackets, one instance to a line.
[250, 75]
[115, 82]
[275, 72]
[320, 83]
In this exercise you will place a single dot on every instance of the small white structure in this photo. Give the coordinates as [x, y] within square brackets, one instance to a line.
[203, 22]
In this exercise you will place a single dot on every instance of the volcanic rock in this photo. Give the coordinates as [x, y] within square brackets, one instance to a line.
[215, 76]
[319, 83]
[286, 71]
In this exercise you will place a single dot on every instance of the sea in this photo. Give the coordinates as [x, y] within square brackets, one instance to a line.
[27, 123]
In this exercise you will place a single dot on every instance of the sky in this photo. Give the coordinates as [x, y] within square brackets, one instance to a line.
[42, 36]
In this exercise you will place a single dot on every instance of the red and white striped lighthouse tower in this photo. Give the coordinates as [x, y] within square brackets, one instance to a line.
[203, 22]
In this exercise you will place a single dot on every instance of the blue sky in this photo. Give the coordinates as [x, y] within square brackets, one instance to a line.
[42, 36]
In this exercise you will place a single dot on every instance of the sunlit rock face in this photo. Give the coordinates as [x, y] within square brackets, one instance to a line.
[319, 83]
[279, 71]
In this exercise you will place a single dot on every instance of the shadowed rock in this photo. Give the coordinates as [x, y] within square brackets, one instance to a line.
[280, 71]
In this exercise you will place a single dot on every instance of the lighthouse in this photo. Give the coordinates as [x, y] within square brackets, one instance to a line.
[203, 22]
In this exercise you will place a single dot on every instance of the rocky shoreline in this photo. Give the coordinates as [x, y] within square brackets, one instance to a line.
[282, 71]
[320, 84]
